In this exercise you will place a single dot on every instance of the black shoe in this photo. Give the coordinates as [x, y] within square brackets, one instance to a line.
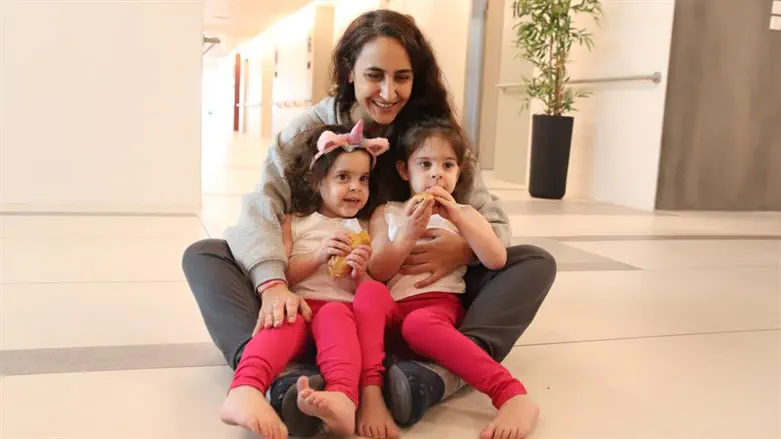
[410, 390]
[283, 396]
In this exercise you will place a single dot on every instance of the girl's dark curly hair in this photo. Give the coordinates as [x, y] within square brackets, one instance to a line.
[304, 183]
[429, 96]
[417, 135]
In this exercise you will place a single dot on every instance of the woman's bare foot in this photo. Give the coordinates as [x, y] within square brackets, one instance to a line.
[247, 407]
[374, 420]
[335, 409]
[515, 419]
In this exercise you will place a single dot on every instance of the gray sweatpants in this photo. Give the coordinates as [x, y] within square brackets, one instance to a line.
[500, 304]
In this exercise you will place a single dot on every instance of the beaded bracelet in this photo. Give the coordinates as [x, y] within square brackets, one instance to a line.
[268, 284]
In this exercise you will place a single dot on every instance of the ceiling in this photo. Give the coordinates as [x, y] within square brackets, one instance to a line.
[237, 21]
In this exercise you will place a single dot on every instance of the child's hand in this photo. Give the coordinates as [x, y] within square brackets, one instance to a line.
[335, 244]
[358, 259]
[446, 205]
[415, 220]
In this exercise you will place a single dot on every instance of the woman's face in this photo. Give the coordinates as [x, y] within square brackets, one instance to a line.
[382, 78]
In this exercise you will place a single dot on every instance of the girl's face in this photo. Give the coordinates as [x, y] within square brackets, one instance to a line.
[382, 77]
[345, 189]
[434, 163]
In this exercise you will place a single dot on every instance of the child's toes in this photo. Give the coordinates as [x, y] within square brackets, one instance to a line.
[488, 432]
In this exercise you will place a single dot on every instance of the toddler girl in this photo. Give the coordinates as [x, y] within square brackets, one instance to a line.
[438, 166]
[329, 179]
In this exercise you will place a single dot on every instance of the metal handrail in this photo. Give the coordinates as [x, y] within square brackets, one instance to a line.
[211, 41]
[655, 77]
[293, 104]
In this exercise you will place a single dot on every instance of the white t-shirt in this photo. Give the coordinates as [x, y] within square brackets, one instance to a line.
[308, 232]
[403, 286]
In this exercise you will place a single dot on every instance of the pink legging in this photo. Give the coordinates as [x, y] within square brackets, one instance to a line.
[351, 346]
[427, 323]
[334, 328]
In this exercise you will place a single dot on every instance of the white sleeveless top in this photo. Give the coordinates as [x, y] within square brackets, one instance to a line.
[308, 232]
[402, 286]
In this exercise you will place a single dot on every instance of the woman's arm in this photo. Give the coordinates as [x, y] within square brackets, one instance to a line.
[256, 241]
[490, 208]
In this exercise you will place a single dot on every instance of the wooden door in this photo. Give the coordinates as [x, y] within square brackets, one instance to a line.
[721, 146]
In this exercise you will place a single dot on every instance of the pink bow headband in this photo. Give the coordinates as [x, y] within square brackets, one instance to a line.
[351, 141]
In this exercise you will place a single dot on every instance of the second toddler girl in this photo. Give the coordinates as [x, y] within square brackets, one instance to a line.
[437, 165]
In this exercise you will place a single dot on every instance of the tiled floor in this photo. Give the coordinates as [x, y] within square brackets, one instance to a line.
[663, 325]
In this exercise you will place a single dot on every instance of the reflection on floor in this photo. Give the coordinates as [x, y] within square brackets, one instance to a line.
[663, 325]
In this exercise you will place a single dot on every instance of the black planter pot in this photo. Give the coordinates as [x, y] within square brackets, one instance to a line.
[551, 144]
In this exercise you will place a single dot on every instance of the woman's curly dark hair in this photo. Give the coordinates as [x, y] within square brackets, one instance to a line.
[454, 135]
[304, 183]
[429, 96]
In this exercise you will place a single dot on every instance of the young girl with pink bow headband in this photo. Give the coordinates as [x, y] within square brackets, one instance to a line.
[329, 190]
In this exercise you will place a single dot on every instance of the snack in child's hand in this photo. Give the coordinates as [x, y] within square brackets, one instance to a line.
[423, 196]
[337, 265]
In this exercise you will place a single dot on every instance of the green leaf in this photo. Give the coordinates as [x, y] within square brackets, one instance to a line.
[544, 38]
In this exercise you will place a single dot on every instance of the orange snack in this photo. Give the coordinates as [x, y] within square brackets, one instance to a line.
[337, 265]
[424, 196]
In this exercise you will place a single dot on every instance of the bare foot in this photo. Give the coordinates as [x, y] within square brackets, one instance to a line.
[515, 419]
[374, 420]
[335, 409]
[246, 407]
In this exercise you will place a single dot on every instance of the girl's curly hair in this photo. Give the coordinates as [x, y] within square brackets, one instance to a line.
[454, 135]
[304, 183]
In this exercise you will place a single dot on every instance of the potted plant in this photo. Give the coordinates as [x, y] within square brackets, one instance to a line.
[545, 34]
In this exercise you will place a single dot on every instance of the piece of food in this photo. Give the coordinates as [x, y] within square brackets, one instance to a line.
[337, 265]
[423, 196]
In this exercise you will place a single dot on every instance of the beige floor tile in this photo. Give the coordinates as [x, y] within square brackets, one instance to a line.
[219, 213]
[624, 304]
[34, 226]
[540, 207]
[98, 314]
[491, 182]
[39, 260]
[606, 225]
[677, 254]
[523, 195]
[149, 404]
[724, 386]
[231, 181]
[563, 252]
[661, 224]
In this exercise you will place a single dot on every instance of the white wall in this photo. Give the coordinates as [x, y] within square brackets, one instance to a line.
[445, 23]
[345, 11]
[293, 83]
[101, 106]
[511, 147]
[617, 133]
[617, 139]
[253, 79]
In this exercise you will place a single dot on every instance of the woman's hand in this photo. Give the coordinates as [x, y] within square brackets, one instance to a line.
[415, 220]
[277, 303]
[358, 259]
[335, 244]
[441, 256]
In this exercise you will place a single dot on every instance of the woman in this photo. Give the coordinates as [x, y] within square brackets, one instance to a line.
[385, 73]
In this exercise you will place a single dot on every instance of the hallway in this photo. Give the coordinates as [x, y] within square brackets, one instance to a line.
[658, 326]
